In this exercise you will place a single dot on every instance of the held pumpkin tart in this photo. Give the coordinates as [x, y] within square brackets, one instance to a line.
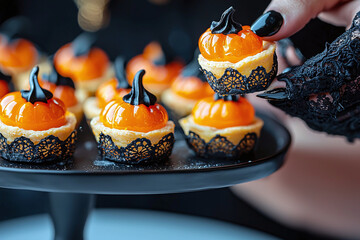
[35, 127]
[188, 88]
[114, 88]
[134, 130]
[234, 59]
[86, 65]
[160, 71]
[222, 126]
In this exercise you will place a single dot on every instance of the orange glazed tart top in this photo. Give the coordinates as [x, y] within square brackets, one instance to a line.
[227, 40]
[61, 87]
[116, 87]
[223, 112]
[137, 112]
[191, 87]
[35, 109]
[153, 60]
[4, 84]
[80, 61]
[191, 83]
[17, 53]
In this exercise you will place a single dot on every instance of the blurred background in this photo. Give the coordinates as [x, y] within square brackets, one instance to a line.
[124, 27]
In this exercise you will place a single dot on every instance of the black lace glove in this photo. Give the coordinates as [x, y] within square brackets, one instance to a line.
[325, 90]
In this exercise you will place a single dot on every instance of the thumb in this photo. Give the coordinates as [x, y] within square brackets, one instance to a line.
[283, 18]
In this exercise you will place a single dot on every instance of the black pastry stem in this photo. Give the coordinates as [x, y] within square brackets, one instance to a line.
[36, 93]
[226, 25]
[58, 79]
[4, 77]
[193, 68]
[138, 94]
[83, 43]
[160, 61]
[120, 73]
[233, 98]
[13, 26]
[166, 56]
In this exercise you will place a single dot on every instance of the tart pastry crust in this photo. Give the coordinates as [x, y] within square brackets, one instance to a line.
[156, 88]
[91, 85]
[77, 110]
[122, 138]
[233, 134]
[180, 105]
[91, 108]
[63, 132]
[264, 58]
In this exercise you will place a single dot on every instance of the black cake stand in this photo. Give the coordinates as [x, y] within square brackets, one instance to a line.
[72, 185]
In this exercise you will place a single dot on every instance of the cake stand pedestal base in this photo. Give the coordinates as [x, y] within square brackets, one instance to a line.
[69, 212]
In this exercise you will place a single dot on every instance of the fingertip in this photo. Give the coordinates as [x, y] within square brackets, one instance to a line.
[268, 24]
[295, 15]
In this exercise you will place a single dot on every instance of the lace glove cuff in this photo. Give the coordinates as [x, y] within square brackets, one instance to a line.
[325, 90]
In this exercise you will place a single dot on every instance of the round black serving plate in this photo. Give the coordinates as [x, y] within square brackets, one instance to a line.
[86, 173]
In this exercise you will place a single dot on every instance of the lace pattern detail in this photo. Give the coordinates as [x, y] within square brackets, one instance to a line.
[325, 90]
[232, 82]
[138, 151]
[220, 147]
[49, 149]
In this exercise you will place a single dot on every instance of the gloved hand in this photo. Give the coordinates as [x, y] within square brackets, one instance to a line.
[325, 90]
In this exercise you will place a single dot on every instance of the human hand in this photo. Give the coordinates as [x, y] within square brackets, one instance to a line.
[283, 18]
[324, 90]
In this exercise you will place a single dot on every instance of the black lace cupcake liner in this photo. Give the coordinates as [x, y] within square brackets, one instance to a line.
[232, 82]
[220, 147]
[49, 149]
[139, 151]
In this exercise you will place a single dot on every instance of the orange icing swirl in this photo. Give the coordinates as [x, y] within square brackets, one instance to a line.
[4, 88]
[138, 111]
[156, 74]
[230, 47]
[81, 68]
[34, 109]
[18, 53]
[17, 112]
[191, 88]
[65, 93]
[109, 91]
[223, 113]
[140, 118]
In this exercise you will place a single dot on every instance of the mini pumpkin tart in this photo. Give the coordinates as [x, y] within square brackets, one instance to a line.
[115, 88]
[35, 127]
[63, 88]
[17, 55]
[188, 88]
[234, 59]
[223, 127]
[86, 65]
[4, 84]
[160, 70]
[135, 130]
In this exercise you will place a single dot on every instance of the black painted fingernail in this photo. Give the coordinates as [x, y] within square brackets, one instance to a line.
[268, 24]
[277, 94]
[288, 69]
